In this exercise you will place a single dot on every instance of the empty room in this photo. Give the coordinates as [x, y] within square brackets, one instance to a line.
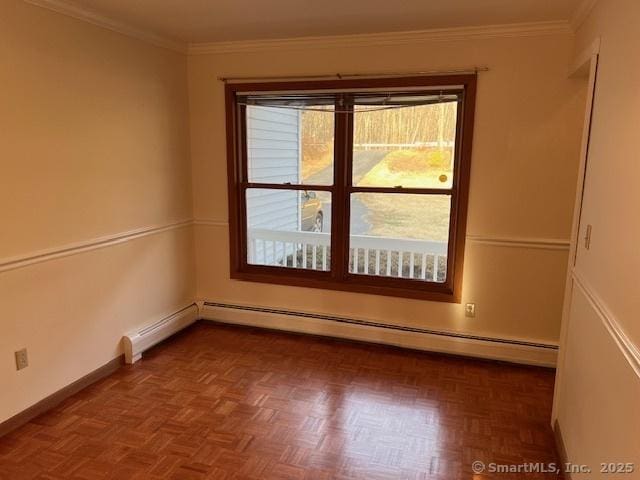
[246, 240]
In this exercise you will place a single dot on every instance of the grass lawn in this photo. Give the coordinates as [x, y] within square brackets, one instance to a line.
[415, 168]
[424, 217]
[420, 217]
[315, 159]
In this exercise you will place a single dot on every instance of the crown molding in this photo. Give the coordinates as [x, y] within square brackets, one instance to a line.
[382, 39]
[65, 7]
[69, 9]
[581, 13]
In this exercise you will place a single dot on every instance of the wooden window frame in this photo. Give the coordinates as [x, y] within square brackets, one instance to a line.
[338, 278]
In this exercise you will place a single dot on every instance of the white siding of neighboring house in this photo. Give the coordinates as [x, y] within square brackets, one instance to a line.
[273, 145]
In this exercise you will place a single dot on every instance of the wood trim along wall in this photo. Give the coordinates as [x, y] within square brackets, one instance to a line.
[580, 65]
[519, 242]
[584, 65]
[384, 39]
[516, 350]
[561, 449]
[58, 397]
[105, 370]
[95, 18]
[211, 223]
[627, 347]
[338, 277]
[24, 260]
[509, 350]
[581, 14]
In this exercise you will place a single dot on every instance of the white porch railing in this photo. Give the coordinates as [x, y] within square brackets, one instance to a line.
[368, 255]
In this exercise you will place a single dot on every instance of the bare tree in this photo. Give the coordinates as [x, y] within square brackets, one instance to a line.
[407, 125]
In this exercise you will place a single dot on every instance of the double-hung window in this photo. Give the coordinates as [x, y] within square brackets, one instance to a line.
[354, 185]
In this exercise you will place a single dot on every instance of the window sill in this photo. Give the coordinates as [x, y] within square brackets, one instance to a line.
[367, 285]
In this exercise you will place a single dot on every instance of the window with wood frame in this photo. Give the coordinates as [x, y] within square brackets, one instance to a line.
[354, 185]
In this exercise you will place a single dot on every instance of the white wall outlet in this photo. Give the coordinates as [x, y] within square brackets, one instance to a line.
[22, 361]
[470, 310]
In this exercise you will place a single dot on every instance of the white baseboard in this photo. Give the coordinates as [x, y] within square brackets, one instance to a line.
[509, 350]
[143, 338]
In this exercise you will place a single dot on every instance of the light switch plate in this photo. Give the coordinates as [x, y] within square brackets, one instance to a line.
[22, 361]
[587, 238]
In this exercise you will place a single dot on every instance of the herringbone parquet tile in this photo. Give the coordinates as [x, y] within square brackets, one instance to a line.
[232, 403]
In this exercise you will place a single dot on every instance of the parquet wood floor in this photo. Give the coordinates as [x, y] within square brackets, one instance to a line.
[233, 403]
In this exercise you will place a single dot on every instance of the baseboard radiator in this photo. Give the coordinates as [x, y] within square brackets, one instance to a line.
[139, 340]
[504, 349]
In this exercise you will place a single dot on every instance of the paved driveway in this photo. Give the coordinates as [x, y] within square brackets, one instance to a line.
[363, 161]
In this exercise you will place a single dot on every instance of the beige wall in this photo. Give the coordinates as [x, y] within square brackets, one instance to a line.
[612, 196]
[599, 392]
[97, 132]
[528, 122]
[94, 142]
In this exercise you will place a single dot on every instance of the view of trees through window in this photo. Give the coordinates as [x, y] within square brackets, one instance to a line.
[412, 147]
[400, 145]
[358, 184]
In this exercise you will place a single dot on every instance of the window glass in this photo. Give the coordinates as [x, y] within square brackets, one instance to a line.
[399, 235]
[290, 144]
[401, 144]
[289, 228]
[354, 185]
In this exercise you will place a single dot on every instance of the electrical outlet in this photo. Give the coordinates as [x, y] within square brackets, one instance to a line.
[22, 361]
[470, 310]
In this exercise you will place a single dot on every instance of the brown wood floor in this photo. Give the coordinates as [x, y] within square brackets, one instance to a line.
[233, 403]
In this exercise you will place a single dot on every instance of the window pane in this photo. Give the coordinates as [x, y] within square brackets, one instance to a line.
[399, 235]
[289, 228]
[290, 144]
[406, 144]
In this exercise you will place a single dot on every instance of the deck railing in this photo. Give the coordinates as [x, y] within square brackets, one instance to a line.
[368, 255]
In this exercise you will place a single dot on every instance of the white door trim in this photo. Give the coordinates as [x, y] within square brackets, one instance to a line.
[584, 65]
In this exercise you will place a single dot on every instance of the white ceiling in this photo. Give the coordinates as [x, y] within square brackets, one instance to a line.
[195, 21]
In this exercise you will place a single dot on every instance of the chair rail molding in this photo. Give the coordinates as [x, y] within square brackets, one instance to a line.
[25, 260]
[518, 242]
[210, 223]
[521, 242]
[627, 347]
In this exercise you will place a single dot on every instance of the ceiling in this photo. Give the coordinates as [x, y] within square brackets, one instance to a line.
[197, 21]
